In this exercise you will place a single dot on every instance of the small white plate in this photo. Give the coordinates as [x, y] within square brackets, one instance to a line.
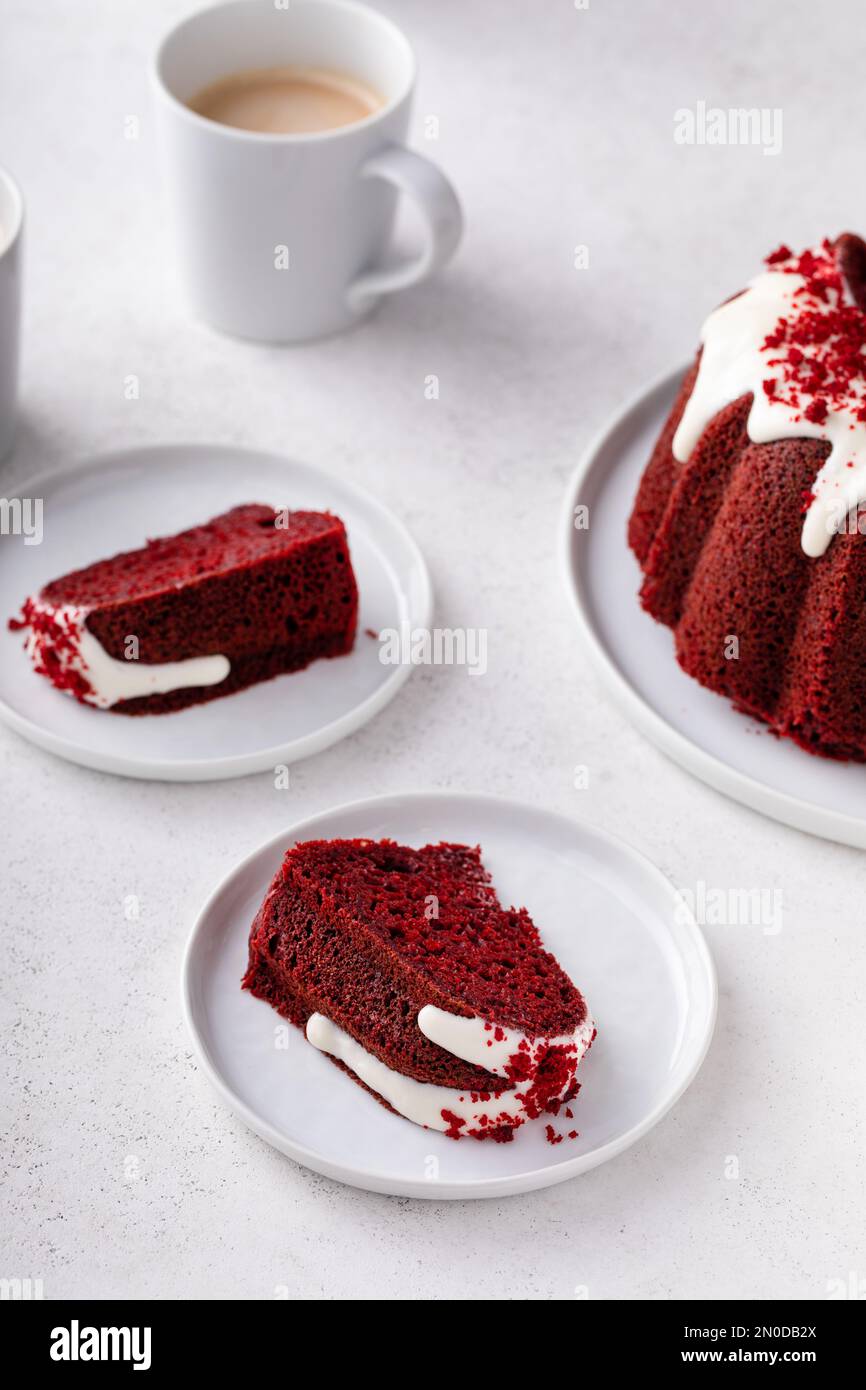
[614, 922]
[114, 503]
[635, 655]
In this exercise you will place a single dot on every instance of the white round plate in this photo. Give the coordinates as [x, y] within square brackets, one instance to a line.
[114, 503]
[612, 919]
[635, 655]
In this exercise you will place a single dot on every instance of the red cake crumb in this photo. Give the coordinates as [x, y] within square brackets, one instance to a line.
[819, 348]
[553, 1137]
[455, 1124]
[54, 639]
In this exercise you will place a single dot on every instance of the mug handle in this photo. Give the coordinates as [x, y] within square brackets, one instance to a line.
[440, 209]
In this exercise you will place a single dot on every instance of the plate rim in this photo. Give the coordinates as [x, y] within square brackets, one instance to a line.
[235, 764]
[780, 806]
[463, 1188]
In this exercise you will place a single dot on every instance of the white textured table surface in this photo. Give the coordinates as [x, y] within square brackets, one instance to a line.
[122, 1175]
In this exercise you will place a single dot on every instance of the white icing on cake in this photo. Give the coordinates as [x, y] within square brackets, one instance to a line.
[734, 363]
[471, 1039]
[111, 680]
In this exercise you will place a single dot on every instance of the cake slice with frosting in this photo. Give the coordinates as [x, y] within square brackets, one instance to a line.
[402, 965]
[252, 594]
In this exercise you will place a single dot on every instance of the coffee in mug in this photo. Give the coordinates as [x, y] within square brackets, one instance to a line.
[286, 100]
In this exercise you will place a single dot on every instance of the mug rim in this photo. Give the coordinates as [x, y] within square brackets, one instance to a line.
[12, 187]
[288, 137]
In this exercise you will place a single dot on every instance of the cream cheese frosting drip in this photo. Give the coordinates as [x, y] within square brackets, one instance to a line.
[794, 339]
[63, 648]
[474, 1040]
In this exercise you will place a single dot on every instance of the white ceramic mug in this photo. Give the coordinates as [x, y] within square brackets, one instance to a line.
[282, 237]
[11, 225]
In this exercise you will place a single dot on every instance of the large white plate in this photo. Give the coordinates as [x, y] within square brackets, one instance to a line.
[613, 920]
[114, 503]
[635, 655]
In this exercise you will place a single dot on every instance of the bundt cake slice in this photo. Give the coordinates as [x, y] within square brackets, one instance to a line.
[748, 522]
[404, 968]
[253, 593]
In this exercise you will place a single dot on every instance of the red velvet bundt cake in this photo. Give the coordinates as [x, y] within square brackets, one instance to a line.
[402, 966]
[188, 618]
[747, 522]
